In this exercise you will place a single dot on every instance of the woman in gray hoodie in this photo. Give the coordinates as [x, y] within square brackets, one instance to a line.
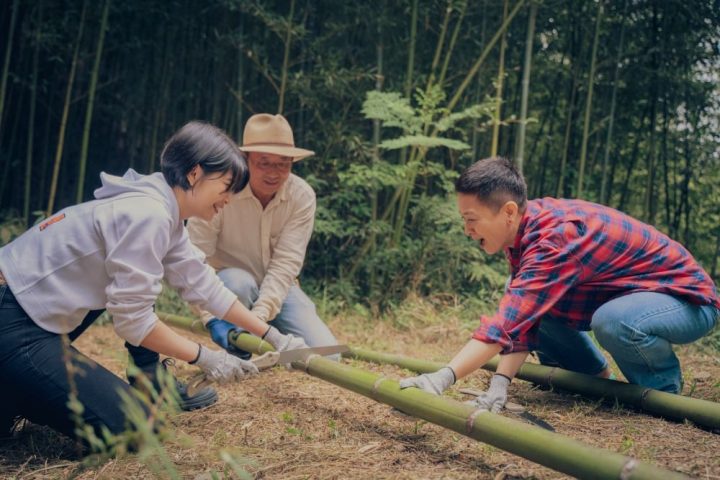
[112, 253]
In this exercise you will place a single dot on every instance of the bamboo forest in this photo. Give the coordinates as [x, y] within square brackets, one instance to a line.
[614, 102]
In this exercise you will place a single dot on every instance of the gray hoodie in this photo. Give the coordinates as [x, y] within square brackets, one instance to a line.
[112, 253]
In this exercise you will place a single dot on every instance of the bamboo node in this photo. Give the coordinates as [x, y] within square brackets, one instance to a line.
[628, 468]
[470, 423]
[643, 395]
[376, 385]
[306, 362]
[550, 377]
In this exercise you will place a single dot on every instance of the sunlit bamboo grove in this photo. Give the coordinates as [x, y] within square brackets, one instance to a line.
[612, 101]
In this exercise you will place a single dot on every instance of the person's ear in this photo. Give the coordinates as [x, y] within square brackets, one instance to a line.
[194, 175]
[510, 209]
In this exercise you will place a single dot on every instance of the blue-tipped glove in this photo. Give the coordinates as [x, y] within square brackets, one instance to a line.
[220, 331]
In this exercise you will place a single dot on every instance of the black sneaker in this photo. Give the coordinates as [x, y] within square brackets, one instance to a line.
[8, 426]
[203, 398]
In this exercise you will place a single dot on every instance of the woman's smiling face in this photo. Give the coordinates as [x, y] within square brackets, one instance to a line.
[209, 193]
[493, 230]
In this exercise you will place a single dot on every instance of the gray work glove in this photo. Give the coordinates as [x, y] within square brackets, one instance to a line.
[221, 367]
[283, 342]
[436, 382]
[496, 395]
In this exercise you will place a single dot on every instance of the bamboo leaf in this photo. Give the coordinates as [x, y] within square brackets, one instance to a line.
[423, 141]
[392, 109]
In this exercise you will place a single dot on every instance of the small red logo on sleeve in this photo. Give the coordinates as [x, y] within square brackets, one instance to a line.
[50, 221]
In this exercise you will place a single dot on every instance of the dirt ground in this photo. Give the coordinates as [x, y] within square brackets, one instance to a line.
[288, 425]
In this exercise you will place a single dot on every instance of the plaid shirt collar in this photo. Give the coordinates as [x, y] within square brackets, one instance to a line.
[514, 253]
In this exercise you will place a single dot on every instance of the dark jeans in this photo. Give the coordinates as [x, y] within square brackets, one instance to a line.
[35, 378]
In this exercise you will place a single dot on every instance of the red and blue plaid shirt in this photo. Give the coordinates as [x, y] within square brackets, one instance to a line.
[572, 256]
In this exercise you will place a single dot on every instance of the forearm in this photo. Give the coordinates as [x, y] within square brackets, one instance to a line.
[510, 364]
[473, 355]
[276, 284]
[244, 318]
[162, 339]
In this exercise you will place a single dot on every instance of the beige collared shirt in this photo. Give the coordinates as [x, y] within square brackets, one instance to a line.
[268, 243]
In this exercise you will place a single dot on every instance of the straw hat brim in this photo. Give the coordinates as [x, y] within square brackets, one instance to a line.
[293, 152]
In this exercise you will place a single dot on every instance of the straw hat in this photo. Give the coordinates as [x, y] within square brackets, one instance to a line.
[271, 134]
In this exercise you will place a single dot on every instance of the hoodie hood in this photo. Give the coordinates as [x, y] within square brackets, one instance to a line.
[153, 185]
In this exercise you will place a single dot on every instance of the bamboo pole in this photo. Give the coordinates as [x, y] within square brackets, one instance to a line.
[604, 198]
[667, 405]
[31, 121]
[522, 125]
[6, 63]
[547, 448]
[588, 103]
[91, 104]
[499, 87]
[65, 113]
[286, 59]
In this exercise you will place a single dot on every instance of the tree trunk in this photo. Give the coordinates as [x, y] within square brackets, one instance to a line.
[31, 121]
[520, 151]
[633, 160]
[604, 197]
[453, 40]
[560, 190]
[6, 63]
[91, 103]
[240, 82]
[650, 201]
[66, 111]
[286, 59]
[588, 103]
[478, 88]
[499, 87]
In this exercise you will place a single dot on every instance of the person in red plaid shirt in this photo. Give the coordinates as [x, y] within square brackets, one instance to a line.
[575, 266]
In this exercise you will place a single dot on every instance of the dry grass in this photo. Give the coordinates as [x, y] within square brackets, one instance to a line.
[285, 424]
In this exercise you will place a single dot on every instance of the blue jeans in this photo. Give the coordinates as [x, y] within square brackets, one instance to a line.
[35, 378]
[297, 314]
[638, 330]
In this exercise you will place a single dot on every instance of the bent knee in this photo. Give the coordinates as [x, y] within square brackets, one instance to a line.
[241, 283]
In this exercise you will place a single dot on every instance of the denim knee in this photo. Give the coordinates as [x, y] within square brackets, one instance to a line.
[241, 283]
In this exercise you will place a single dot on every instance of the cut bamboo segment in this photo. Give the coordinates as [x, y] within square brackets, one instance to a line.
[666, 405]
[550, 449]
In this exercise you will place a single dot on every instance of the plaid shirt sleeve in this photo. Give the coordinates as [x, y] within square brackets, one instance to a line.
[546, 273]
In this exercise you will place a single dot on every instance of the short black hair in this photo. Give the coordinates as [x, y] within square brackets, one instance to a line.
[199, 143]
[494, 181]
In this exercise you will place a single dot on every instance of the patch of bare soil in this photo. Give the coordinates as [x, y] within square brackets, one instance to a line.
[289, 425]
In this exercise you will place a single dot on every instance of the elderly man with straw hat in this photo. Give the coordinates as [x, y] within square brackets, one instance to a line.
[257, 242]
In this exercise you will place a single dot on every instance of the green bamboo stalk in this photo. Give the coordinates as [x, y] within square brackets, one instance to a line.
[499, 88]
[613, 98]
[65, 113]
[31, 121]
[588, 102]
[399, 199]
[439, 46]
[6, 63]
[379, 80]
[91, 103]
[286, 59]
[550, 449]
[453, 41]
[522, 126]
[411, 50]
[666, 405]
[478, 63]
[240, 80]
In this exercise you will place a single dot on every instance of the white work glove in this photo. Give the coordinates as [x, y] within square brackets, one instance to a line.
[282, 342]
[221, 367]
[496, 395]
[435, 383]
